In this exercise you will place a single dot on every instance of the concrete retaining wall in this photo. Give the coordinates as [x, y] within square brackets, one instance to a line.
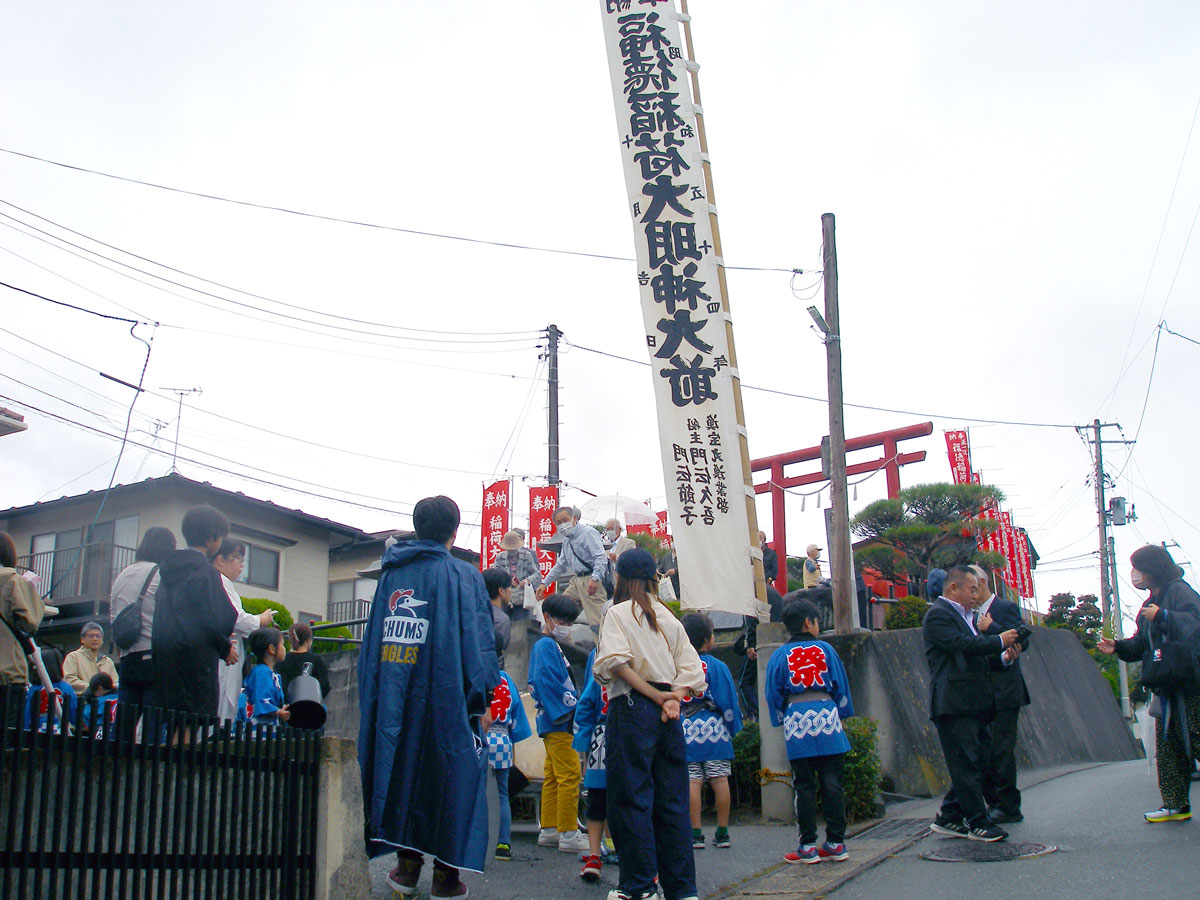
[1073, 716]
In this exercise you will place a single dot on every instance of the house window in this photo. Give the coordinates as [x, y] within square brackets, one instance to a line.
[262, 567]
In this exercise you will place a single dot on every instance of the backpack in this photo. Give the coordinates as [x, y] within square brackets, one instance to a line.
[127, 626]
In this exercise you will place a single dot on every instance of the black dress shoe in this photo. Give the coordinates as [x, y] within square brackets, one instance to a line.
[1000, 817]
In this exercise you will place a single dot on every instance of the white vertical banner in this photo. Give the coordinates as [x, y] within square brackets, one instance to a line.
[685, 323]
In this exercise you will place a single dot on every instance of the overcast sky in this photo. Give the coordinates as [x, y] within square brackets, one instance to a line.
[1014, 189]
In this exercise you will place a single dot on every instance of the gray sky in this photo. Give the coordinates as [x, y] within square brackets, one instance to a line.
[1000, 175]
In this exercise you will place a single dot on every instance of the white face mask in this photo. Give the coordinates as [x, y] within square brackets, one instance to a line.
[611, 534]
[566, 528]
[560, 632]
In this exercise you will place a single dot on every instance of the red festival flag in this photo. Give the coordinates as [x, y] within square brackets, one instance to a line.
[959, 452]
[494, 522]
[1008, 546]
[542, 503]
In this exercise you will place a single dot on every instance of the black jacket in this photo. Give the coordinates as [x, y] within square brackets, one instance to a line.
[1008, 684]
[1181, 623]
[193, 620]
[958, 663]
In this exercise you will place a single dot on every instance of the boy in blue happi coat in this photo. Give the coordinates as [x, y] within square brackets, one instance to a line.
[591, 723]
[554, 692]
[709, 723]
[807, 692]
[508, 725]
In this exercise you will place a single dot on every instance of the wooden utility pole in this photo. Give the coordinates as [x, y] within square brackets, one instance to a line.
[841, 557]
[552, 336]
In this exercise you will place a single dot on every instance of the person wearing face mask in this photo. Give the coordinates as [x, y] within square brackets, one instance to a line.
[554, 692]
[1170, 615]
[582, 564]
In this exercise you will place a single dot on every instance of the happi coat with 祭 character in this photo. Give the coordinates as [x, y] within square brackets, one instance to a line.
[808, 693]
[711, 720]
[426, 673]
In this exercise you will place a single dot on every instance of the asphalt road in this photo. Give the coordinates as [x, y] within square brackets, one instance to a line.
[1094, 816]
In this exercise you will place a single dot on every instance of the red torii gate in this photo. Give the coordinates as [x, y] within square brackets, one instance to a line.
[891, 462]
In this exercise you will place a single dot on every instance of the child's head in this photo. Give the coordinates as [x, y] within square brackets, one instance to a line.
[800, 618]
[699, 630]
[266, 646]
[559, 609]
[100, 685]
[499, 586]
[52, 659]
[204, 528]
[230, 558]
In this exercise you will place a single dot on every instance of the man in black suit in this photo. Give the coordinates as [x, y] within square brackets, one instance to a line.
[961, 702]
[997, 615]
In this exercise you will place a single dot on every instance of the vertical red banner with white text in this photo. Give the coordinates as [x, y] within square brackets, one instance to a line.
[494, 522]
[1008, 546]
[1025, 561]
[542, 503]
[959, 452]
[659, 530]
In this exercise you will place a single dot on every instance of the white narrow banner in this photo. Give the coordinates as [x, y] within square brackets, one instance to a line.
[681, 305]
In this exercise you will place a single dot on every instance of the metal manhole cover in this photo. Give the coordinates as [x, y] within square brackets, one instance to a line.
[975, 851]
[894, 828]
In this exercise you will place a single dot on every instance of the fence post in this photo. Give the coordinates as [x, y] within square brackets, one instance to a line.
[342, 872]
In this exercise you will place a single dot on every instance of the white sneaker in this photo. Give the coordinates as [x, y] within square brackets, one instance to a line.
[548, 837]
[572, 842]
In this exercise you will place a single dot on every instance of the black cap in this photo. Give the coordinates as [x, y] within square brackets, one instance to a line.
[637, 563]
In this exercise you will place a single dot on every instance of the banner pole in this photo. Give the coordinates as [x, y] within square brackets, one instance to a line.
[760, 583]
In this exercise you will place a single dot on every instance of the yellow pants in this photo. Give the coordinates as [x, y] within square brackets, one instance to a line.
[593, 604]
[560, 789]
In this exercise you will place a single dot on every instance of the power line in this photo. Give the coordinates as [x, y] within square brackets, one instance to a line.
[1178, 335]
[215, 415]
[90, 312]
[523, 335]
[310, 215]
[905, 412]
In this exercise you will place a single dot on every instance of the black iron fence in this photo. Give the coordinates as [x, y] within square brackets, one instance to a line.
[155, 806]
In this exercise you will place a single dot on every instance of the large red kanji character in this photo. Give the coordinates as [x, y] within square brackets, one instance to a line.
[807, 665]
[501, 702]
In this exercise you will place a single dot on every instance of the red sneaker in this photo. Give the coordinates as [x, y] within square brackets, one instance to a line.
[447, 885]
[591, 868]
[403, 879]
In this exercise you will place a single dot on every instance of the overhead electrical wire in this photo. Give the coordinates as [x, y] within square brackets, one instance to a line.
[326, 218]
[906, 412]
[238, 422]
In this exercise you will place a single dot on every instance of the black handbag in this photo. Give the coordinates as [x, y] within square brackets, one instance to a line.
[127, 626]
[1169, 667]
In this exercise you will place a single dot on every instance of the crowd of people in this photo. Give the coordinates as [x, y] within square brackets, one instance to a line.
[183, 642]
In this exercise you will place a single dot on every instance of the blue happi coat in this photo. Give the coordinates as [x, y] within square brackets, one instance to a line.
[552, 688]
[711, 721]
[591, 721]
[426, 670]
[509, 725]
[811, 727]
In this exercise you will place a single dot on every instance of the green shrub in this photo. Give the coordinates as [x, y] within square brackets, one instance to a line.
[746, 789]
[320, 646]
[257, 605]
[908, 612]
[861, 779]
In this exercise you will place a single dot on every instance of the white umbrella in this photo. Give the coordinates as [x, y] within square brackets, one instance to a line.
[616, 506]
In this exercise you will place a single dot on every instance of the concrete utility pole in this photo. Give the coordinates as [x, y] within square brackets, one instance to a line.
[1102, 512]
[552, 336]
[1122, 666]
[841, 558]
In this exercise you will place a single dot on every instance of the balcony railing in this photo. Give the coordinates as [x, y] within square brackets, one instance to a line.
[78, 580]
[349, 610]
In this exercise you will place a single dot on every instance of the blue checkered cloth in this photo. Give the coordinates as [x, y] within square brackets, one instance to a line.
[499, 750]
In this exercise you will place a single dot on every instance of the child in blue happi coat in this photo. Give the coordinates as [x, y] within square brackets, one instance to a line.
[591, 720]
[709, 723]
[554, 692]
[509, 725]
[807, 692]
[262, 687]
[99, 703]
[37, 703]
